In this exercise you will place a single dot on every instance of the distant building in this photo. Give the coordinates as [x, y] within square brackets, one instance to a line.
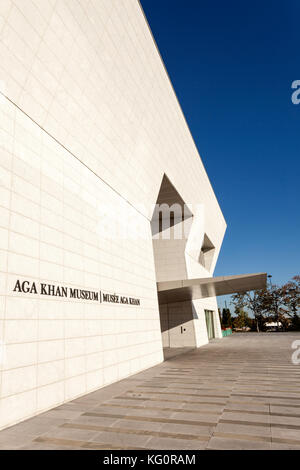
[273, 326]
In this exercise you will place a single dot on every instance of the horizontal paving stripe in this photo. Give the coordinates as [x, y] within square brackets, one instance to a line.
[264, 396]
[281, 440]
[286, 415]
[155, 408]
[246, 437]
[142, 432]
[82, 444]
[201, 383]
[183, 394]
[124, 397]
[60, 441]
[169, 400]
[152, 420]
[99, 446]
[263, 403]
[258, 423]
[194, 379]
[183, 388]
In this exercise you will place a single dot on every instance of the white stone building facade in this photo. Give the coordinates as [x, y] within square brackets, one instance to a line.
[92, 135]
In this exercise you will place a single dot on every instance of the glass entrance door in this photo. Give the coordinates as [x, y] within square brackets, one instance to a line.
[209, 317]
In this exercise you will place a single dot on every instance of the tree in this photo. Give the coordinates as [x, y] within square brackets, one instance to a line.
[284, 320]
[291, 300]
[220, 315]
[272, 301]
[253, 301]
[276, 303]
[226, 318]
[242, 319]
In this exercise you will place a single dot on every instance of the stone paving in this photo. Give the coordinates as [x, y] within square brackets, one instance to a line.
[241, 392]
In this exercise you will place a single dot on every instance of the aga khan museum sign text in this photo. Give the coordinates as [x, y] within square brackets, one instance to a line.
[28, 287]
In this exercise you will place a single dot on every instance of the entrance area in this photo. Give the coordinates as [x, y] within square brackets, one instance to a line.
[177, 325]
[209, 317]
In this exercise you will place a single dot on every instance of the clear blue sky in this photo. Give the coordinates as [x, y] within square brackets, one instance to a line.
[232, 65]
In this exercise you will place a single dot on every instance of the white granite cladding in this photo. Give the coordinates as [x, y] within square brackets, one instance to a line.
[88, 72]
[88, 122]
[50, 232]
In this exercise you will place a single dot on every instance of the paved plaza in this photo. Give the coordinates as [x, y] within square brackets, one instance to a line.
[242, 392]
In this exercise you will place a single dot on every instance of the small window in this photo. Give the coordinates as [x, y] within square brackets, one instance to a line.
[206, 253]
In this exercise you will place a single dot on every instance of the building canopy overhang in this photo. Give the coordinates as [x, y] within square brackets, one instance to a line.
[192, 289]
